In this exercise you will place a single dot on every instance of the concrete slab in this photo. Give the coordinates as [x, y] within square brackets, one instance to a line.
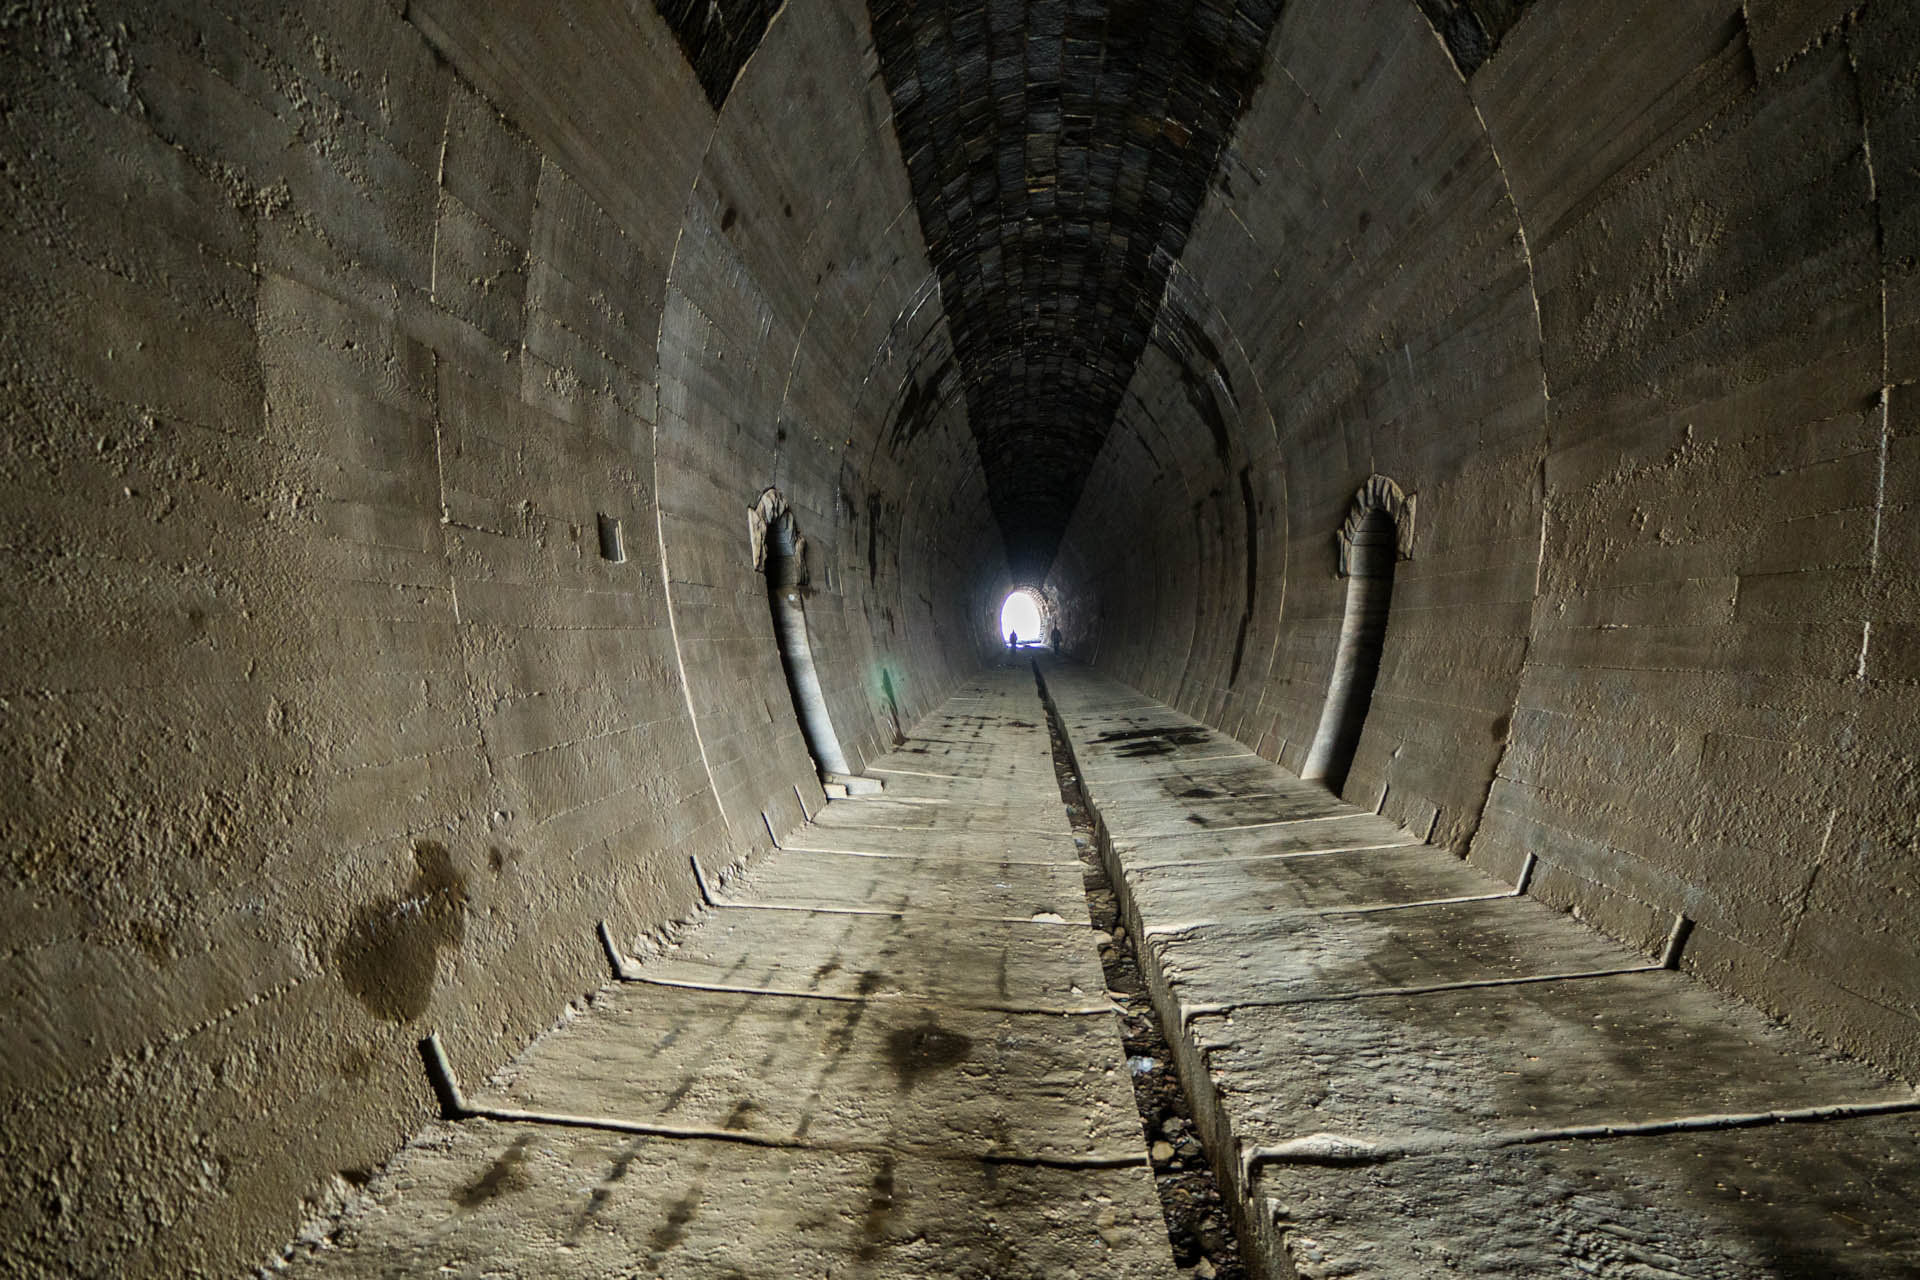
[898, 815]
[937, 844]
[959, 796]
[485, 1200]
[917, 955]
[1349, 832]
[1229, 891]
[1627, 1049]
[1298, 957]
[1145, 813]
[949, 888]
[907, 1076]
[1364, 1077]
[1223, 772]
[1800, 1201]
[920, 777]
[1617, 1050]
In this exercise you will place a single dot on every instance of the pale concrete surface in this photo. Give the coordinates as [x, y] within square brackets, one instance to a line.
[340, 335]
[337, 329]
[1383, 1043]
[916, 955]
[894, 1076]
[479, 1199]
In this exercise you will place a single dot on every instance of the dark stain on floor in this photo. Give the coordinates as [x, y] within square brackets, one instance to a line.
[1178, 734]
[879, 1207]
[508, 1173]
[914, 1051]
[1136, 744]
[671, 1232]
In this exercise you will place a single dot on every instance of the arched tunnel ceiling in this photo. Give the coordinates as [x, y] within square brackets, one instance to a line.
[718, 36]
[1059, 151]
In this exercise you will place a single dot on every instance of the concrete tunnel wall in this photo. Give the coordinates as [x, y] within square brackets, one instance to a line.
[333, 332]
[1630, 309]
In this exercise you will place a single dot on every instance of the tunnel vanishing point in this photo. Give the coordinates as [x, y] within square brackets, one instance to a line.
[510, 763]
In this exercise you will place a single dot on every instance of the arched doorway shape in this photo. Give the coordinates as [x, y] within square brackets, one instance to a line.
[1378, 533]
[1024, 612]
[780, 551]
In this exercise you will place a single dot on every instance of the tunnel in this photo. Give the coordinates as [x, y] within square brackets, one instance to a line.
[511, 760]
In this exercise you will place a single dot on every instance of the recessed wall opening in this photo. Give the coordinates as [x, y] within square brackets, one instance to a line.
[782, 554]
[1371, 543]
[613, 545]
[1024, 614]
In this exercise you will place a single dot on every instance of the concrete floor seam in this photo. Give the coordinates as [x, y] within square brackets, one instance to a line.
[1201, 1009]
[1336, 1150]
[456, 1105]
[1274, 857]
[981, 1006]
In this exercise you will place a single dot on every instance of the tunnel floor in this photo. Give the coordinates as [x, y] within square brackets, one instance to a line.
[1405, 1068]
[888, 1050]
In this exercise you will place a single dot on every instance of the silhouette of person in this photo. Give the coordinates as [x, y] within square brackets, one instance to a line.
[1013, 639]
[1055, 637]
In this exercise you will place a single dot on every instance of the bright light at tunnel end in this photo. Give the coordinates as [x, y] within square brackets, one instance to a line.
[1021, 614]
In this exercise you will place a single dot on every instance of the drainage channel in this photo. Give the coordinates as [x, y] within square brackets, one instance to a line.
[1197, 1221]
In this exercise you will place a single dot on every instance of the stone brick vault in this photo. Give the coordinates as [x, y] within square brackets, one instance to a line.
[510, 767]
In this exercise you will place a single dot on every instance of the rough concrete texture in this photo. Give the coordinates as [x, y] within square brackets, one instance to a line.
[387, 387]
[981, 1126]
[1389, 1051]
[1625, 300]
[335, 333]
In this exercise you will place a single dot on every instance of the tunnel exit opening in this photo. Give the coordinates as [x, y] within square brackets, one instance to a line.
[782, 554]
[1024, 614]
[1371, 543]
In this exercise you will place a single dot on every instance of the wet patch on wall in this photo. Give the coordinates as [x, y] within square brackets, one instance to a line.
[893, 702]
[1203, 374]
[1253, 570]
[390, 956]
[921, 401]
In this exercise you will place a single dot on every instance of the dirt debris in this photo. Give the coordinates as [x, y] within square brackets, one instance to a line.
[1198, 1226]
